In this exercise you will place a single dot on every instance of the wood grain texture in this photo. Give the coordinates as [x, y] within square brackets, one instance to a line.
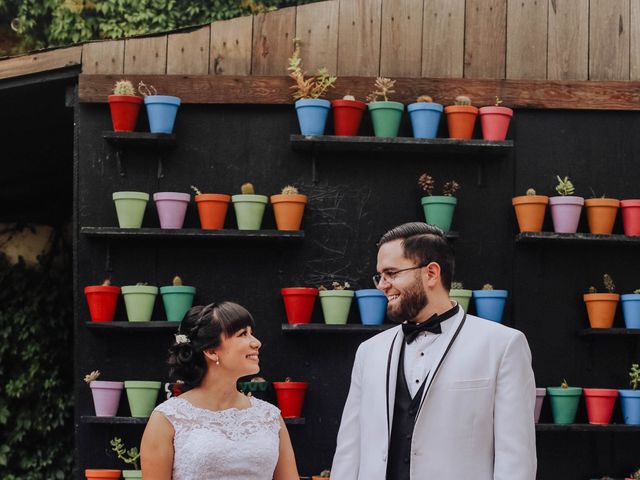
[273, 35]
[231, 43]
[609, 40]
[568, 40]
[634, 43]
[272, 90]
[443, 38]
[317, 28]
[188, 53]
[401, 38]
[359, 37]
[485, 38]
[103, 57]
[145, 55]
[527, 39]
[40, 62]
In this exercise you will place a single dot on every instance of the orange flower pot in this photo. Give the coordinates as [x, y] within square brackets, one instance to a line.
[461, 120]
[288, 210]
[601, 308]
[212, 209]
[530, 211]
[101, 474]
[601, 214]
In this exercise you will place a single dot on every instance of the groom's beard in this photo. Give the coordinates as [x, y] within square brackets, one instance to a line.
[412, 301]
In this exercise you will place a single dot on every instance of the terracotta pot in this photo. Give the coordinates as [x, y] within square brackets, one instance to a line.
[631, 216]
[530, 211]
[600, 402]
[288, 210]
[212, 209]
[461, 120]
[601, 214]
[601, 308]
[101, 473]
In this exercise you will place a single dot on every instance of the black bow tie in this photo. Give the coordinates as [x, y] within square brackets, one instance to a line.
[411, 330]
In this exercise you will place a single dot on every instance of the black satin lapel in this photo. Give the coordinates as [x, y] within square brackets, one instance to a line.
[388, 373]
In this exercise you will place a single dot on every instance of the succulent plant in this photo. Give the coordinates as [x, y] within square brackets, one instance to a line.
[289, 190]
[462, 100]
[608, 283]
[383, 87]
[487, 286]
[325, 474]
[141, 284]
[247, 189]
[637, 291]
[564, 187]
[564, 384]
[592, 289]
[146, 90]
[450, 188]
[424, 98]
[348, 97]
[634, 376]
[196, 190]
[457, 286]
[129, 457]
[636, 475]
[312, 87]
[177, 281]
[257, 380]
[336, 286]
[498, 102]
[93, 376]
[124, 87]
[531, 191]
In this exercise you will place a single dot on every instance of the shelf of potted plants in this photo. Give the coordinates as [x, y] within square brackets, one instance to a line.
[327, 328]
[146, 234]
[586, 427]
[587, 239]
[607, 332]
[88, 419]
[153, 325]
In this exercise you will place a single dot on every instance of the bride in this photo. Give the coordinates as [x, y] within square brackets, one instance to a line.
[212, 431]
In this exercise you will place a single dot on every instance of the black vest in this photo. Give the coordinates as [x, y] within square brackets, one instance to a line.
[405, 410]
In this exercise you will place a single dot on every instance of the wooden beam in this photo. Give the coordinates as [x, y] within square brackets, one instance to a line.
[41, 62]
[271, 90]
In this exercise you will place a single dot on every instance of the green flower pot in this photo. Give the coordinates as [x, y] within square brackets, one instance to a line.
[132, 473]
[130, 207]
[336, 305]
[249, 210]
[438, 210]
[461, 296]
[177, 300]
[139, 301]
[386, 118]
[142, 396]
[564, 403]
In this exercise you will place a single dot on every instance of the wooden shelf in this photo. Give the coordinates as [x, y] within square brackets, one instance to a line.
[608, 332]
[154, 325]
[585, 427]
[257, 236]
[140, 139]
[143, 420]
[589, 239]
[324, 328]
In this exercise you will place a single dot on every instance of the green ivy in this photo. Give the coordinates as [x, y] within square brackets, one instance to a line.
[36, 369]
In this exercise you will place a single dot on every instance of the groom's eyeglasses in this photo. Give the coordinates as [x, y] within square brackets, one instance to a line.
[391, 276]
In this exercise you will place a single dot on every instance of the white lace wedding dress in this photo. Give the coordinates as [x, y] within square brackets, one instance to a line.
[229, 444]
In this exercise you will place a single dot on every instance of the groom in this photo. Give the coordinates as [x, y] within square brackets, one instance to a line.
[443, 396]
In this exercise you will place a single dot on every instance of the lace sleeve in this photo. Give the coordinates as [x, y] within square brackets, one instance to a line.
[269, 413]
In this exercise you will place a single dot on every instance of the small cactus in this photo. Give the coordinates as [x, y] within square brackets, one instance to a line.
[592, 289]
[608, 283]
[462, 100]
[196, 190]
[426, 183]
[141, 284]
[335, 286]
[177, 281]
[325, 474]
[349, 97]
[289, 190]
[247, 189]
[124, 87]
[531, 191]
[93, 376]
[450, 188]
[634, 376]
[564, 384]
[637, 291]
[106, 282]
[564, 187]
[457, 286]
[257, 380]
[424, 98]
[498, 102]
[487, 286]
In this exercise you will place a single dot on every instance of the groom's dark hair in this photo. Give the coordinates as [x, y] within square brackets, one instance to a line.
[424, 243]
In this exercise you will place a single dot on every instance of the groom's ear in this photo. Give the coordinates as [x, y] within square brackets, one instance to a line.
[432, 274]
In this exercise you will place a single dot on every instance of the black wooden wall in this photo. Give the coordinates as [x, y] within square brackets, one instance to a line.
[354, 199]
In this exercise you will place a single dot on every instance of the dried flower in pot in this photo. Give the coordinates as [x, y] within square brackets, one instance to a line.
[438, 209]
[385, 114]
[161, 109]
[106, 395]
[601, 307]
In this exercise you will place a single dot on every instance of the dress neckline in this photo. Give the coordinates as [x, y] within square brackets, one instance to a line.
[226, 410]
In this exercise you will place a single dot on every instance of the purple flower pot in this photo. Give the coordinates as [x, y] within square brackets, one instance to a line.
[172, 207]
[565, 212]
[106, 397]
[540, 393]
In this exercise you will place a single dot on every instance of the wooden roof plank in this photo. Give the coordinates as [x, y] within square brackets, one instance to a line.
[317, 29]
[273, 35]
[359, 37]
[40, 62]
[188, 53]
[401, 38]
[103, 57]
[146, 55]
[231, 44]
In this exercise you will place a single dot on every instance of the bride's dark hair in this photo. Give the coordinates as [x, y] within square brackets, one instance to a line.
[202, 329]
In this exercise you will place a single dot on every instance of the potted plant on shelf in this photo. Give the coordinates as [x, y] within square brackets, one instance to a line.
[347, 115]
[161, 109]
[530, 210]
[172, 207]
[125, 106]
[460, 295]
[130, 457]
[256, 384]
[564, 402]
[298, 303]
[142, 396]
[101, 473]
[634, 476]
[385, 114]
[102, 301]
[290, 396]
[565, 208]
[540, 394]
[106, 395]
[631, 309]
[425, 117]
[631, 216]
[490, 303]
[323, 474]
[372, 305]
[438, 209]
[461, 118]
[630, 398]
[336, 302]
[601, 307]
[600, 402]
[601, 214]
[177, 299]
[311, 109]
[495, 121]
[130, 207]
[249, 207]
[212, 208]
[288, 208]
[139, 300]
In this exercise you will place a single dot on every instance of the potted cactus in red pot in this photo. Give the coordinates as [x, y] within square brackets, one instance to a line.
[461, 118]
[530, 209]
[102, 301]
[106, 395]
[125, 106]
[601, 307]
[347, 115]
[495, 121]
[385, 114]
[290, 396]
[565, 208]
[298, 303]
[438, 209]
[288, 208]
[212, 208]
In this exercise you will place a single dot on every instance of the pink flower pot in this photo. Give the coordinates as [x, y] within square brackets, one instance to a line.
[631, 216]
[106, 397]
[495, 122]
[565, 213]
[540, 393]
[600, 402]
[172, 207]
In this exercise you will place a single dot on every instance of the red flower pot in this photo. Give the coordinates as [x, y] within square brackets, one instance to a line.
[347, 115]
[124, 112]
[290, 397]
[495, 122]
[298, 303]
[102, 302]
[631, 216]
[600, 402]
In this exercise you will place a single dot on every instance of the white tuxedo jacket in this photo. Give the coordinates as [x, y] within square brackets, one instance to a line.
[476, 419]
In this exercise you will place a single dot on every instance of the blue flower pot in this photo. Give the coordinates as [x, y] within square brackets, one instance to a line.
[161, 110]
[312, 115]
[490, 304]
[425, 118]
[631, 309]
[372, 304]
[630, 403]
